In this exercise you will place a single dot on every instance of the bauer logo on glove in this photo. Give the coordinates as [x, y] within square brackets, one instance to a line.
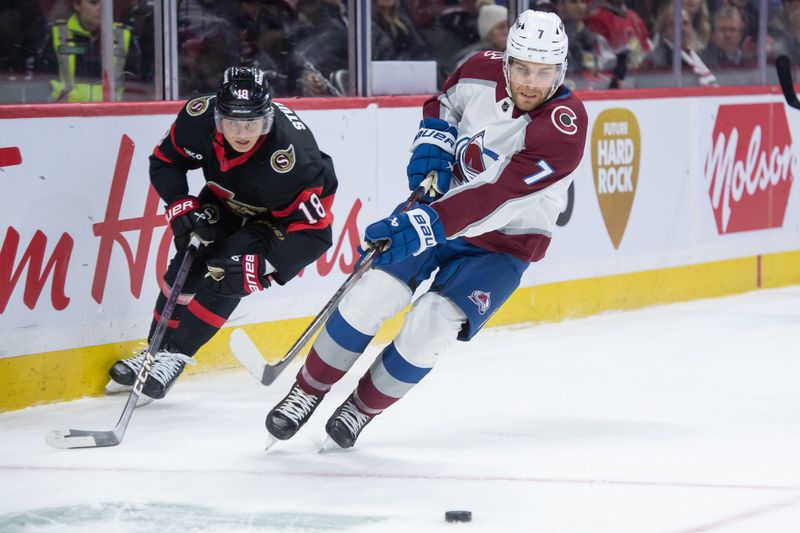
[238, 275]
[405, 234]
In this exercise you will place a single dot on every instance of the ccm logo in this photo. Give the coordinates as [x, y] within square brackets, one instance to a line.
[181, 207]
[250, 268]
[141, 378]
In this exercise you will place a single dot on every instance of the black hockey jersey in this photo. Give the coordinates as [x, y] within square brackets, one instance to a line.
[284, 181]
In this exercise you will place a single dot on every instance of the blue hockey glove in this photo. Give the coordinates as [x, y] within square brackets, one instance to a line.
[404, 234]
[432, 151]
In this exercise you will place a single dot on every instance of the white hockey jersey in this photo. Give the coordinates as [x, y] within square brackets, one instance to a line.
[512, 168]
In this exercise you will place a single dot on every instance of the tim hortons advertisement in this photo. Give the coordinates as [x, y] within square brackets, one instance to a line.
[84, 239]
[750, 167]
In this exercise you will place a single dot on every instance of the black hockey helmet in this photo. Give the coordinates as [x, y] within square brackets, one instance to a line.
[244, 93]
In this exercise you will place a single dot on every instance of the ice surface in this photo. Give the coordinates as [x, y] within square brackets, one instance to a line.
[672, 419]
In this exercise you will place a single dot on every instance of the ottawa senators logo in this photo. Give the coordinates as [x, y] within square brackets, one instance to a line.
[197, 106]
[240, 208]
[282, 161]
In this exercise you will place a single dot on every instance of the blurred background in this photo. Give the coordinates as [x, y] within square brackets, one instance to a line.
[55, 51]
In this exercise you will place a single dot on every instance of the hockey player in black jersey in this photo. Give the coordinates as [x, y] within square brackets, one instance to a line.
[263, 214]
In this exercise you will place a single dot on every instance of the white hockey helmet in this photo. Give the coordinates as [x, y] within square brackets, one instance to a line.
[539, 37]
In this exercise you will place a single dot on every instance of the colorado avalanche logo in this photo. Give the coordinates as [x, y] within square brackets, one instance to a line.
[564, 119]
[470, 154]
[482, 300]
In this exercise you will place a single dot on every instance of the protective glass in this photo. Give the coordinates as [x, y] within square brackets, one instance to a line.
[241, 127]
[534, 74]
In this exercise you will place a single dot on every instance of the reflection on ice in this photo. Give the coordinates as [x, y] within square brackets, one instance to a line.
[161, 517]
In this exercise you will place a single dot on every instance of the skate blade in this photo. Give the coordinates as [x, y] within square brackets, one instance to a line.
[112, 387]
[330, 446]
[143, 400]
[270, 442]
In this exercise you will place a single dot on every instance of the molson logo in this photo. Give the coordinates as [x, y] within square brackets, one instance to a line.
[749, 169]
[615, 166]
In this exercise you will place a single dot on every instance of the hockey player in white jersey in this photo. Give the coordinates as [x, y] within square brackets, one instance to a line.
[504, 137]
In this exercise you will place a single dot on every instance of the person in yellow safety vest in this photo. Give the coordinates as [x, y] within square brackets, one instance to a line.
[73, 51]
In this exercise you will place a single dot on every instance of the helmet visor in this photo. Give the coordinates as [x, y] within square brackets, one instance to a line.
[532, 74]
[244, 127]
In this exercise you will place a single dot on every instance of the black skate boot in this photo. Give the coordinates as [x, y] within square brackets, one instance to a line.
[345, 424]
[166, 369]
[291, 413]
[123, 373]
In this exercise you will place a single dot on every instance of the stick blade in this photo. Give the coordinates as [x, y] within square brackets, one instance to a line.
[76, 438]
[247, 353]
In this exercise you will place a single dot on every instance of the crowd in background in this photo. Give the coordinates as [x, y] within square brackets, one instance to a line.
[50, 49]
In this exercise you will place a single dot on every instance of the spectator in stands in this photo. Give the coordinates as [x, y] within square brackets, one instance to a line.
[275, 43]
[263, 29]
[454, 27]
[203, 56]
[321, 49]
[789, 44]
[623, 29]
[140, 18]
[724, 52]
[777, 24]
[589, 53]
[493, 32]
[21, 26]
[701, 22]
[749, 11]
[659, 61]
[72, 51]
[394, 36]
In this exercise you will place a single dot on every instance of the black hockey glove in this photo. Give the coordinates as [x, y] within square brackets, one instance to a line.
[238, 275]
[186, 219]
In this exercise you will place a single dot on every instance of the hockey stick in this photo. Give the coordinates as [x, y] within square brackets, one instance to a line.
[248, 354]
[784, 68]
[79, 438]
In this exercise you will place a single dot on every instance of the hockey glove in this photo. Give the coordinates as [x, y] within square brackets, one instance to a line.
[238, 275]
[186, 219]
[404, 234]
[432, 151]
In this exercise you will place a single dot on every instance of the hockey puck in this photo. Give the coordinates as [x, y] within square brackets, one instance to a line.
[458, 516]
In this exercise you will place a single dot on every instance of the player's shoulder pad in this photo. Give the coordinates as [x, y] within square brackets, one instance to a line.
[565, 115]
[483, 65]
[200, 105]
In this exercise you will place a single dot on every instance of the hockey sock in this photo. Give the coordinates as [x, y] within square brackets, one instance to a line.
[337, 347]
[203, 317]
[389, 378]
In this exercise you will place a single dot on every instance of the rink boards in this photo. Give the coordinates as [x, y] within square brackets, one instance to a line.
[681, 194]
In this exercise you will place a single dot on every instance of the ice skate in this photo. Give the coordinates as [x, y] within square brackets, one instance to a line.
[291, 413]
[164, 373]
[123, 373]
[345, 425]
